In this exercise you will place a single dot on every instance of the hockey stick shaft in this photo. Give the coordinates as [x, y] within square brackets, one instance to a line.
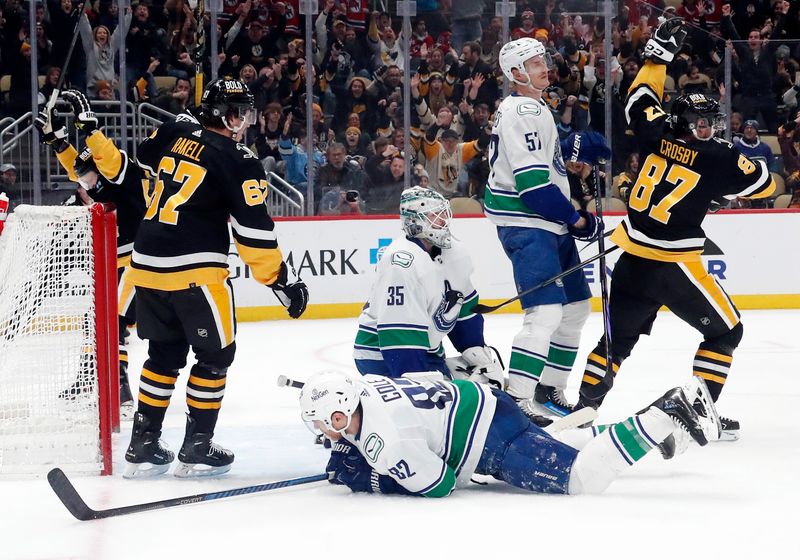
[284, 381]
[603, 275]
[481, 308]
[200, 51]
[64, 68]
[77, 507]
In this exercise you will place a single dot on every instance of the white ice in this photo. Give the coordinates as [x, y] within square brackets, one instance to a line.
[727, 500]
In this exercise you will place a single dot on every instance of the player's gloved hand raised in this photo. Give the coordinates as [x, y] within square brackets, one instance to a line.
[348, 467]
[585, 147]
[85, 119]
[44, 124]
[591, 231]
[478, 364]
[666, 41]
[291, 291]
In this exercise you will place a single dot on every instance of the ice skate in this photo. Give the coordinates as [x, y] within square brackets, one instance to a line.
[147, 455]
[698, 394]
[551, 400]
[677, 407]
[199, 456]
[528, 409]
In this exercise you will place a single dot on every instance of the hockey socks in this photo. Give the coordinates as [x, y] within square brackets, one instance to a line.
[713, 367]
[617, 447]
[155, 390]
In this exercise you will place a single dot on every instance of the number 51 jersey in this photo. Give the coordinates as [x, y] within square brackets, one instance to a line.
[201, 180]
[427, 435]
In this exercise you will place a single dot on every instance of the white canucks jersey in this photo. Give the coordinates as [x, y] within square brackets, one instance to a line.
[428, 436]
[416, 300]
[524, 155]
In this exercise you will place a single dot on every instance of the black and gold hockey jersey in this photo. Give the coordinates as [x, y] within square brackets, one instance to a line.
[122, 183]
[201, 180]
[678, 179]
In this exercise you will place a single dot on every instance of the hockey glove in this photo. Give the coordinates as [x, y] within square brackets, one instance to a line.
[348, 467]
[585, 147]
[478, 364]
[291, 291]
[666, 41]
[85, 119]
[591, 231]
[54, 138]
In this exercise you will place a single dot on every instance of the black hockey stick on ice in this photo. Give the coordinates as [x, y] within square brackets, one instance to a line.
[481, 308]
[77, 507]
[603, 275]
[284, 381]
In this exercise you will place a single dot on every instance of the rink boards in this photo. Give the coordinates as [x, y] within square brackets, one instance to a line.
[752, 254]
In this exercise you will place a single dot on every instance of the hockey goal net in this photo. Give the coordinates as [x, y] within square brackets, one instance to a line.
[59, 380]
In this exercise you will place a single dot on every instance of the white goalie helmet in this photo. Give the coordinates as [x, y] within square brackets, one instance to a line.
[426, 215]
[323, 394]
[515, 53]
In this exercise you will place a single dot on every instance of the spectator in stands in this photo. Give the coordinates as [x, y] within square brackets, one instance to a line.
[386, 170]
[736, 124]
[694, 81]
[296, 155]
[756, 66]
[63, 21]
[473, 65]
[421, 40]
[526, 27]
[104, 91]
[355, 99]
[466, 22]
[45, 49]
[445, 157]
[625, 180]
[8, 177]
[50, 81]
[356, 143]
[144, 45]
[340, 202]
[178, 99]
[101, 46]
[257, 45]
[788, 135]
[269, 132]
[750, 144]
[385, 47]
[337, 174]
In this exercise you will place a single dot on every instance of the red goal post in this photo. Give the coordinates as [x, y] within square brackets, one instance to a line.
[59, 359]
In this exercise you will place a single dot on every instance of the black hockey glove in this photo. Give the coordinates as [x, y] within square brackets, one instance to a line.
[54, 138]
[291, 291]
[666, 41]
[591, 231]
[85, 119]
[348, 467]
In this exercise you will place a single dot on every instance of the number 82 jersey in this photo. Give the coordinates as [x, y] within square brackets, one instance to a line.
[201, 180]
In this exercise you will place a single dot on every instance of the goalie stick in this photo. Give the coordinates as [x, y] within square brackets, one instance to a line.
[77, 507]
[584, 416]
[483, 309]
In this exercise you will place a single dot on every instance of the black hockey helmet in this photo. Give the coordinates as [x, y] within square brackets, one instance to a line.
[688, 109]
[224, 98]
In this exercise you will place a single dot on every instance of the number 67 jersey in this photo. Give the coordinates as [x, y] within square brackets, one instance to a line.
[426, 435]
[201, 179]
[677, 179]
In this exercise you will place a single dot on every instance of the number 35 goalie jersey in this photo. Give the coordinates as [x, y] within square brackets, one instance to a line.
[428, 436]
[677, 179]
[201, 179]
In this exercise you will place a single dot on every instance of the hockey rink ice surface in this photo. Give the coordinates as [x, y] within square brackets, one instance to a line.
[724, 501]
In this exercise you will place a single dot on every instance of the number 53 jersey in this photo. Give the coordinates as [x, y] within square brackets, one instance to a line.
[426, 435]
[678, 179]
[201, 179]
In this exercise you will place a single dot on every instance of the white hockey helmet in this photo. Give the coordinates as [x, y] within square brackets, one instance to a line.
[327, 392]
[515, 53]
[426, 215]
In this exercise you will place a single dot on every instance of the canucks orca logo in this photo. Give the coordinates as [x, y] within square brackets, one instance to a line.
[446, 314]
[558, 161]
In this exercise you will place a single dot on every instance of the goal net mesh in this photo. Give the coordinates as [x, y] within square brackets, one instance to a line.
[49, 413]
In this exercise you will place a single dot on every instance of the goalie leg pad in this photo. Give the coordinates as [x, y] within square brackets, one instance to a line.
[530, 348]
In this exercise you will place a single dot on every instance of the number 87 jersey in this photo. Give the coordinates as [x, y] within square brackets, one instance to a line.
[201, 178]
[680, 173]
[427, 435]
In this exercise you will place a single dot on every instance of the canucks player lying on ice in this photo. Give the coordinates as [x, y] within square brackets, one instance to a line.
[425, 436]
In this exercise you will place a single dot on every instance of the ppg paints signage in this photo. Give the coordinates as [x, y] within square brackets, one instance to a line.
[751, 254]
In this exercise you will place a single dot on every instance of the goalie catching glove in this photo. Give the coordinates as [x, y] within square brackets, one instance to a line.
[348, 467]
[290, 291]
[478, 364]
[85, 119]
[666, 41]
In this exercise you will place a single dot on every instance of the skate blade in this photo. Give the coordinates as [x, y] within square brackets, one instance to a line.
[197, 470]
[143, 470]
[549, 409]
[729, 435]
[696, 389]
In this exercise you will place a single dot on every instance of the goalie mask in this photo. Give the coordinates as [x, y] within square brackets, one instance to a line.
[426, 215]
[224, 99]
[325, 393]
[692, 112]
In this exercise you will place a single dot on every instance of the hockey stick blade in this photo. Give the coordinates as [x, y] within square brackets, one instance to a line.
[77, 507]
[284, 381]
[483, 309]
[573, 420]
